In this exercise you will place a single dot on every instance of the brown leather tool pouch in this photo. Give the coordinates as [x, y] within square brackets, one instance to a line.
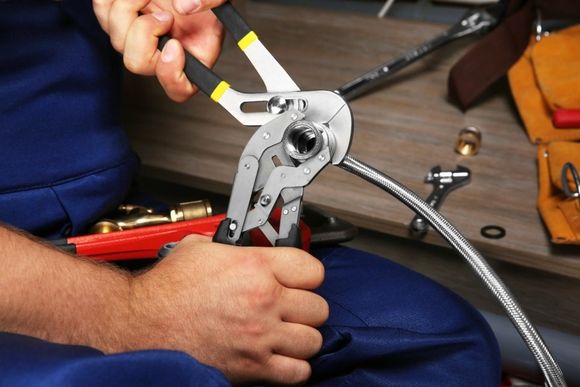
[560, 213]
[546, 78]
[491, 57]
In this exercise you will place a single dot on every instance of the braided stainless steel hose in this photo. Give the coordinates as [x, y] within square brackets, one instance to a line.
[552, 373]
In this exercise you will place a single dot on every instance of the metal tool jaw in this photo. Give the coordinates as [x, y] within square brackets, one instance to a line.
[456, 178]
[300, 132]
[443, 183]
[282, 157]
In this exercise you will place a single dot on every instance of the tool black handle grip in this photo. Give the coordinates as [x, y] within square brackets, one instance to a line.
[221, 234]
[294, 239]
[232, 20]
[198, 73]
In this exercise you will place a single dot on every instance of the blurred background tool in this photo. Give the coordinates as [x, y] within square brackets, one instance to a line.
[473, 22]
[443, 183]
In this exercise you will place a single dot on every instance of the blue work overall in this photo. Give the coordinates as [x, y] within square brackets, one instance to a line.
[65, 161]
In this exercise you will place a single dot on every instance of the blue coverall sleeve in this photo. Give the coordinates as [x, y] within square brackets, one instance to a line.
[26, 361]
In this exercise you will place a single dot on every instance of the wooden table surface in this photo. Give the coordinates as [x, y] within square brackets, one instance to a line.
[403, 129]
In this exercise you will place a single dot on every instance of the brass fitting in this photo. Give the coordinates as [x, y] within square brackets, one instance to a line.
[468, 141]
[191, 210]
[134, 216]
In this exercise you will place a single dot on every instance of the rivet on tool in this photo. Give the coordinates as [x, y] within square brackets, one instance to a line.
[294, 116]
[285, 212]
[294, 209]
[233, 226]
[321, 157]
[266, 135]
[307, 171]
[247, 166]
[468, 141]
[265, 200]
[277, 105]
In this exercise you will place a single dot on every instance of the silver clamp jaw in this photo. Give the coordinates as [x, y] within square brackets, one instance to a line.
[299, 134]
[282, 157]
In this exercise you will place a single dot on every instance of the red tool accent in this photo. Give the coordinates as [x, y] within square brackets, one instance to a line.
[259, 239]
[142, 242]
[145, 242]
[566, 118]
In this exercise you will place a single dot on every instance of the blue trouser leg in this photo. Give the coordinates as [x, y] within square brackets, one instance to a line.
[388, 326]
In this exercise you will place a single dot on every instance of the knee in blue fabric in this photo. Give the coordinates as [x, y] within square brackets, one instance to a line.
[391, 326]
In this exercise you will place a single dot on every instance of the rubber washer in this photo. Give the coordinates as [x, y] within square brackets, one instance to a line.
[493, 232]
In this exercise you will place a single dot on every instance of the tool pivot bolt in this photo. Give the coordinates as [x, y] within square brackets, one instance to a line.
[265, 200]
[277, 105]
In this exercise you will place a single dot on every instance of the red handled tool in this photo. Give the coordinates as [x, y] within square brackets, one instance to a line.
[145, 242]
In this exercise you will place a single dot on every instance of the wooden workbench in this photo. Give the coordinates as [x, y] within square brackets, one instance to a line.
[403, 129]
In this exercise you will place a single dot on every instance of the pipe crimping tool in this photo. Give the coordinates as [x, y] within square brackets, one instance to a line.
[298, 134]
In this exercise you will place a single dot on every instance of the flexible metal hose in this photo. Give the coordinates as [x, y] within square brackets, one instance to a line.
[552, 372]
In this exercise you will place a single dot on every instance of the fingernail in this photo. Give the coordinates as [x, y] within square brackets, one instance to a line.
[169, 52]
[188, 6]
[162, 16]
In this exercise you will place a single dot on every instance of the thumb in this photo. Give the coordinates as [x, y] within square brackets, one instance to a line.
[295, 268]
[188, 7]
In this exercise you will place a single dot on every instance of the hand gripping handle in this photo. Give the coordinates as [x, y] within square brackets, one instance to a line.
[204, 78]
[274, 76]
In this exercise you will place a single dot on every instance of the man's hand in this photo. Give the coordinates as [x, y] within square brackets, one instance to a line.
[246, 311]
[135, 26]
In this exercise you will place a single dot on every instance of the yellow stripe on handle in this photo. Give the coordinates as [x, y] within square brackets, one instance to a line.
[219, 91]
[245, 42]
